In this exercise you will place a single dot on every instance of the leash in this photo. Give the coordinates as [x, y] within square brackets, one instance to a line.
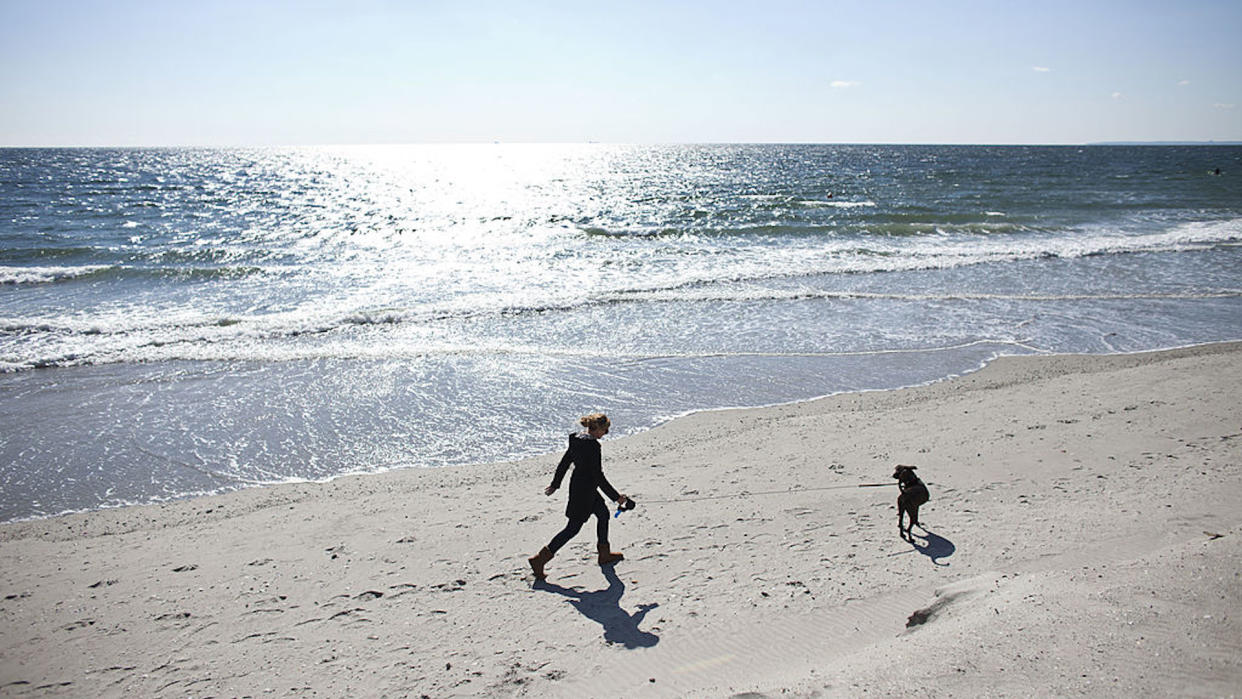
[772, 492]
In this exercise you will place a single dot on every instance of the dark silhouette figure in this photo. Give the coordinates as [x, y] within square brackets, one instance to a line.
[604, 607]
[935, 548]
[584, 499]
[913, 495]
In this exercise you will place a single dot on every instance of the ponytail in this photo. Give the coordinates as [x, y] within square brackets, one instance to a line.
[594, 420]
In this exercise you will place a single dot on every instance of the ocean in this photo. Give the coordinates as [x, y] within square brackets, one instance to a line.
[177, 322]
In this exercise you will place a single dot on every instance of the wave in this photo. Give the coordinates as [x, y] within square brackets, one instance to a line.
[761, 294]
[744, 274]
[815, 257]
[48, 275]
[42, 254]
[45, 275]
[910, 229]
[85, 341]
[635, 232]
[365, 350]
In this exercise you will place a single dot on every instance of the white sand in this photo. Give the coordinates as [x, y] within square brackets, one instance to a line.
[1085, 537]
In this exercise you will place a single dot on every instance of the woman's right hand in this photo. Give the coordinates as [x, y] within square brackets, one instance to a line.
[549, 490]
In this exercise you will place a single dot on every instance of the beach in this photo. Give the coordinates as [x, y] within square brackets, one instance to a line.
[298, 311]
[1083, 537]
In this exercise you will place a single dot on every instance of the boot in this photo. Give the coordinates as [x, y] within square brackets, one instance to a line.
[538, 560]
[607, 556]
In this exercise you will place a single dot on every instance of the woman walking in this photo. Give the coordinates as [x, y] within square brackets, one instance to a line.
[584, 500]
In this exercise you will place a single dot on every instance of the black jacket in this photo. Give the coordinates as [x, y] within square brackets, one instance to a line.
[583, 453]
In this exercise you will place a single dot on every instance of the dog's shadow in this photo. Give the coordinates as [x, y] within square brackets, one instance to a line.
[604, 607]
[932, 545]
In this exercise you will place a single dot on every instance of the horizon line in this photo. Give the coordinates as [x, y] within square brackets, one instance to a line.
[633, 143]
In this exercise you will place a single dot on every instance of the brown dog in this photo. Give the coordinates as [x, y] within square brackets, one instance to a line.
[913, 494]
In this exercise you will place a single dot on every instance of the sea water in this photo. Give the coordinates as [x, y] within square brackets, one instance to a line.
[184, 321]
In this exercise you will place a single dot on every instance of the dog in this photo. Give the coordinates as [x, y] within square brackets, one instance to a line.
[913, 494]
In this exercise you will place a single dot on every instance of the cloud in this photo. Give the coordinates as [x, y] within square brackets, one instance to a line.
[1222, 105]
[1116, 95]
[1041, 69]
[844, 83]
[1183, 82]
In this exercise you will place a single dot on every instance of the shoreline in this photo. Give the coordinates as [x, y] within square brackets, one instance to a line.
[164, 466]
[660, 422]
[1041, 468]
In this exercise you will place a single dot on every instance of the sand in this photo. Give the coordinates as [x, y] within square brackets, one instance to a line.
[1084, 536]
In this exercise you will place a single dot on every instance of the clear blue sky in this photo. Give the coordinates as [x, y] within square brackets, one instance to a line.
[225, 72]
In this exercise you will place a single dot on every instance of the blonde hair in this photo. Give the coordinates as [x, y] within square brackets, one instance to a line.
[594, 420]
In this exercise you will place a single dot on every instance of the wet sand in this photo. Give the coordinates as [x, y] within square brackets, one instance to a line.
[1084, 536]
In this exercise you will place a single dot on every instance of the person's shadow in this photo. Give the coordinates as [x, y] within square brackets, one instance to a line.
[604, 607]
[933, 546]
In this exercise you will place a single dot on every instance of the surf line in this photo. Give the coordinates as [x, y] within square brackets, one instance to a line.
[771, 492]
[824, 355]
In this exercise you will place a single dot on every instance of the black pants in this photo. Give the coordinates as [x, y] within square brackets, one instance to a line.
[572, 528]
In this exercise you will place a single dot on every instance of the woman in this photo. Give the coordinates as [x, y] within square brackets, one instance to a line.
[584, 499]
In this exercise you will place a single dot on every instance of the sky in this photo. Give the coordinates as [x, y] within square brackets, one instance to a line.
[255, 72]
